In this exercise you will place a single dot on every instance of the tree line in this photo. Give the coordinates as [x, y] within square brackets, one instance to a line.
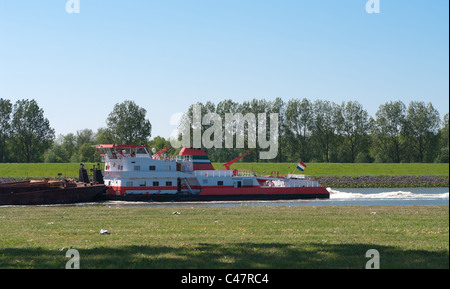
[311, 131]
[27, 137]
[323, 131]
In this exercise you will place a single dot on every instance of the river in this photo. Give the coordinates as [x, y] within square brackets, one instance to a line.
[338, 197]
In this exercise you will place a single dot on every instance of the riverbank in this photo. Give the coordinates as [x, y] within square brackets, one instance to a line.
[334, 175]
[360, 181]
[383, 181]
[221, 238]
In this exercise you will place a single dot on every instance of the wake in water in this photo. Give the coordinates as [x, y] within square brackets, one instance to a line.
[405, 195]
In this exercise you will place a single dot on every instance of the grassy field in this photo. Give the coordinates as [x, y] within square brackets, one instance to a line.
[313, 169]
[39, 170]
[357, 169]
[238, 237]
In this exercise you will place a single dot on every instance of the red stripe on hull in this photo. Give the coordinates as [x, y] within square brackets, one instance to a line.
[211, 191]
[230, 191]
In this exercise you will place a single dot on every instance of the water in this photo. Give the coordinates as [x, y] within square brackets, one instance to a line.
[390, 197]
[338, 197]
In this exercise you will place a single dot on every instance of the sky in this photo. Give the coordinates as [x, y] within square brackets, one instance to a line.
[168, 54]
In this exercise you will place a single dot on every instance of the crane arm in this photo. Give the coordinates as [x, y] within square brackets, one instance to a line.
[227, 165]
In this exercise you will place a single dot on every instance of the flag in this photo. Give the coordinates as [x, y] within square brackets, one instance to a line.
[301, 166]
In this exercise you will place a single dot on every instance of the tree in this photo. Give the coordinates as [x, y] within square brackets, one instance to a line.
[159, 143]
[5, 126]
[31, 131]
[299, 116]
[257, 106]
[443, 156]
[62, 149]
[229, 152]
[104, 136]
[84, 152]
[279, 106]
[128, 125]
[353, 124]
[324, 126]
[388, 129]
[421, 128]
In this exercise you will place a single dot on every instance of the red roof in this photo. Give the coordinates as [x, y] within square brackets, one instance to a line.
[105, 146]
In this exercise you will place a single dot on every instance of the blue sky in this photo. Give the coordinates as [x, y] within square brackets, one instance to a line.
[168, 54]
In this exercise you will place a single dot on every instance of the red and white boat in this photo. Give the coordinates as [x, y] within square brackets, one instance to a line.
[132, 172]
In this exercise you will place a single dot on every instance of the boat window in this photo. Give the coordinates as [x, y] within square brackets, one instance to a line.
[220, 183]
[142, 184]
[205, 181]
[156, 184]
[137, 168]
[110, 153]
[248, 182]
[152, 168]
[142, 151]
[129, 184]
[168, 183]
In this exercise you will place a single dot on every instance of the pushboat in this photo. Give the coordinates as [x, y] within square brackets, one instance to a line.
[134, 173]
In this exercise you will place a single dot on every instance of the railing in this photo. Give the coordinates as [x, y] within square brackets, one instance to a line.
[290, 184]
[244, 173]
[173, 158]
[213, 173]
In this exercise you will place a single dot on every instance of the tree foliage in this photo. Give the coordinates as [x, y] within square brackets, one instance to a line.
[319, 131]
[5, 126]
[421, 128]
[30, 131]
[127, 124]
[387, 131]
[323, 131]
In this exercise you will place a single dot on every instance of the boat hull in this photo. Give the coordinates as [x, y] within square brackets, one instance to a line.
[222, 194]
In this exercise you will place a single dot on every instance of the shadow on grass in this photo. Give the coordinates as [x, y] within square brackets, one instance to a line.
[230, 256]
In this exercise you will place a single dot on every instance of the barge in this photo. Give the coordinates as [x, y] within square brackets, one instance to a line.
[48, 192]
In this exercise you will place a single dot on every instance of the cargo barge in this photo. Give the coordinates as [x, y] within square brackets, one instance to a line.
[47, 192]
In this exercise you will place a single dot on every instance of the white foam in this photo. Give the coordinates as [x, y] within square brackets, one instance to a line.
[335, 194]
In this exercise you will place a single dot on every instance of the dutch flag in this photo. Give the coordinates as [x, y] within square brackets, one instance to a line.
[301, 166]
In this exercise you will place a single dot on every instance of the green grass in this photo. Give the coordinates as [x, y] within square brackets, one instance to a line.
[39, 170]
[314, 169]
[356, 169]
[238, 237]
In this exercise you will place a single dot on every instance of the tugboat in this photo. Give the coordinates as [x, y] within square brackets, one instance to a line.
[133, 173]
